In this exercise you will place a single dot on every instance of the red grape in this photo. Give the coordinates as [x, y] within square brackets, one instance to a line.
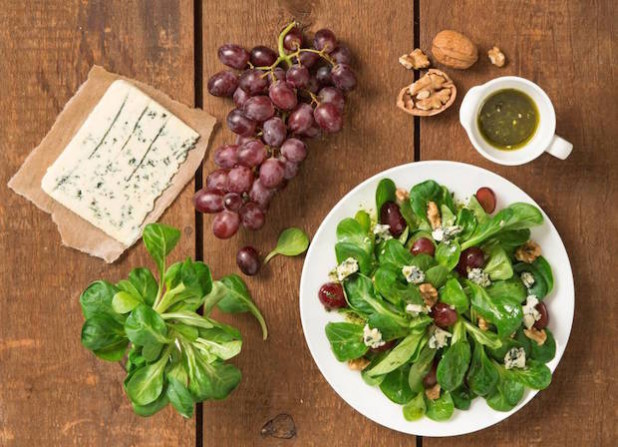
[471, 258]
[240, 124]
[313, 85]
[258, 108]
[323, 76]
[294, 150]
[293, 39]
[325, 40]
[331, 296]
[342, 55]
[232, 201]
[297, 76]
[343, 77]
[312, 132]
[274, 132]
[308, 59]
[391, 216]
[423, 245]
[278, 74]
[262, 56]
[240, 179]
[225, 224]
[226, 156]
[544, 320]
[240, 140]
[240, 97]
[282, 95]
[253, 82]
[233, 56]
[301, 118]
[252, 216]
[271, 173]
[223, 83]
[251, 153]
[328, 117]
[208, 200]
[431, 378]
[248, 261]
[217, 180]
[290, 169]
[260, 194]
[443, 316]
[487, 199]
[333, 96]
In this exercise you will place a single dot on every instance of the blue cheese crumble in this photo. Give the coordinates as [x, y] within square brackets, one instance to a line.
[478, 276]
[531, 315]
[515, 358]
[445, 234]
[528, 279]
[347, 268]
[372, 337]
[413, 274]
[439, 338]
[416, 309]
[382, 232]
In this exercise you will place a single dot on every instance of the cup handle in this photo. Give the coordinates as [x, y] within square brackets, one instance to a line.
[466, 109]
[559, 148]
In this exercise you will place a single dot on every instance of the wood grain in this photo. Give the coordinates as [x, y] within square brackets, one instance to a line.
[53, 391]
[568, 48]
[279, 374]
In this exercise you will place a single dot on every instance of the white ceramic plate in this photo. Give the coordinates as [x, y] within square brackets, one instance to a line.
[463, 180]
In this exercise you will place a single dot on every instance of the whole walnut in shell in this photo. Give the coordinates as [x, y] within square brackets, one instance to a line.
[431, 94]
[454, 50]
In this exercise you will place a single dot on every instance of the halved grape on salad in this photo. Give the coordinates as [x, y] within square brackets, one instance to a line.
[443, 302]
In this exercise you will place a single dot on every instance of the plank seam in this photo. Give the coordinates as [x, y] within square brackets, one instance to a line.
[417, 119]
[199, 223]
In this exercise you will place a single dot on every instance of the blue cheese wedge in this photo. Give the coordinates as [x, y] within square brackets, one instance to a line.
[120, 161]
[347, 268]
[531, 315]
[439, 338]
[382, 232]
[479, 276]
[416, 309]
[413, 274]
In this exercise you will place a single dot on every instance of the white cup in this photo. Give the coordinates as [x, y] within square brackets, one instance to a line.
[544, 138]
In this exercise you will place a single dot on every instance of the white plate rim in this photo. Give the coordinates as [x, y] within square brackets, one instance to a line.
[426, 427]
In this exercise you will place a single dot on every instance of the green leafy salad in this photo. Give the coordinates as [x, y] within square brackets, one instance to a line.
[443, 302]
[173, 354]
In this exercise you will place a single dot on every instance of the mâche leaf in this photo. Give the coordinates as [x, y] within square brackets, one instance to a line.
[291, 242]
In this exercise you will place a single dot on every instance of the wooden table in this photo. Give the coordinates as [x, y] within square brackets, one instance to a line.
[54, 392]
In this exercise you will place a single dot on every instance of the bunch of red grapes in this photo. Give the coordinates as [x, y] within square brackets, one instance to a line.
[282, 97]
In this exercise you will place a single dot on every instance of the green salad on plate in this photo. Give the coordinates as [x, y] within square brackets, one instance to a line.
[442, 301]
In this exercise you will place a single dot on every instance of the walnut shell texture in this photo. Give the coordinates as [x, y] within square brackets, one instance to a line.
[454, 50]
[445, 90]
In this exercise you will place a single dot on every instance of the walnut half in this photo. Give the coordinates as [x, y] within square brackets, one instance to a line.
[528, 252]
[433, 93]
[428, 293]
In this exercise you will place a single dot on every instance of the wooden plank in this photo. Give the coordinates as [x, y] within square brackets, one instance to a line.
[566, 47]
[279, 374]
[53, 391]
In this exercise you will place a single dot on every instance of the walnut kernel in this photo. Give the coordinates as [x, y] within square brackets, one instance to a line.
[538, 336]
[496, 57]
[429, 294]
[528, 252]
[401, 195]
[433, 393]
[433, 215]
[415, 60]
[483, 325]
[358, 364]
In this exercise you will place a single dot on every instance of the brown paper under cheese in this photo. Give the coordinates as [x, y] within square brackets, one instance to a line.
[75, 231]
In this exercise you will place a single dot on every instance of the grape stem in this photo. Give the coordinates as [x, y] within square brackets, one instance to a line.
[283, 56]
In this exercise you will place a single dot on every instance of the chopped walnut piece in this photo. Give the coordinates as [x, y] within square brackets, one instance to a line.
[528, 252]
[429, 294]
[496, 57]
[483, 325]
[415, 60]
[401, 195]
[431, 94]
[433, 393]
[358, 364]
[539, 336]
[433, 215]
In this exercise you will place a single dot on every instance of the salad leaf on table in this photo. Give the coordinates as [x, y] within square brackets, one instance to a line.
[176, 355]
[291, 242]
